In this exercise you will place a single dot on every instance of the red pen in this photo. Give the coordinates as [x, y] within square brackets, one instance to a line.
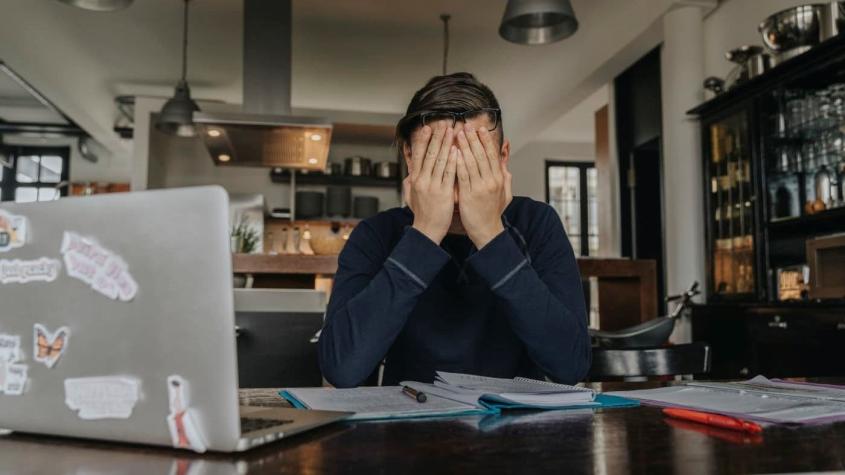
[716, 420]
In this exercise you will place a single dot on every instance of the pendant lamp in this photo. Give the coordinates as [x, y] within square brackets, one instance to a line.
[538, 22]
[177, 115]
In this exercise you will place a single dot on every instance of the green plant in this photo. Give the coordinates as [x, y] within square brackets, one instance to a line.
[245, 237]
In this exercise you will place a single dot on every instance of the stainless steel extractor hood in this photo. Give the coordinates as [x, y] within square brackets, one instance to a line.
[265, 134]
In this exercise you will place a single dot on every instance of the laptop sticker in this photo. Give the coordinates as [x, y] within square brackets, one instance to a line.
[49, 346]
[10, 348]
[182, 420]
[25, 271]
[14, 380]
[105, 397]
[101, 269]
[12, 231]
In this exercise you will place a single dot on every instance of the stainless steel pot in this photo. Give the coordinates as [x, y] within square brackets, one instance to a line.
[793, 31]
[358, 166]
[387, 169]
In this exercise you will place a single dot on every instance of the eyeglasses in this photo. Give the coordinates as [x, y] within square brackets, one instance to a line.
[427, 118]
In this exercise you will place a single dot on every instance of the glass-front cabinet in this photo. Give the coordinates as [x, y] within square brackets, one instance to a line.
[731, 204]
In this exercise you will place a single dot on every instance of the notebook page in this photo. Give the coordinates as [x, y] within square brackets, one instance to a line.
[502, 385]
[784, 388]
[373, 402]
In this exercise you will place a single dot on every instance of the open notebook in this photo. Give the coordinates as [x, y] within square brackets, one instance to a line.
[452, 394]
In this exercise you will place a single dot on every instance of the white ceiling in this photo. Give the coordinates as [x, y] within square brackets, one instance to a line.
[366, 56]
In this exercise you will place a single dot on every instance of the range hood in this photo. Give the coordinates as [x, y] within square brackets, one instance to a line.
[265, 134]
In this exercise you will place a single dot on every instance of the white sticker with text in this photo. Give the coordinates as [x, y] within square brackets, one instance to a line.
[101, 269]
[25, 271]
[106, 397]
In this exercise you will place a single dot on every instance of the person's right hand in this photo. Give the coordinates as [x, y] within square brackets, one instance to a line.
[429, 187]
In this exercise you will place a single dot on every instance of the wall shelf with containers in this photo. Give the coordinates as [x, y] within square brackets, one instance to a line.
[774, 169]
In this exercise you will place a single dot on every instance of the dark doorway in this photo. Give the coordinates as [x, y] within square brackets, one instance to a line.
[646, 195]
[638, 138]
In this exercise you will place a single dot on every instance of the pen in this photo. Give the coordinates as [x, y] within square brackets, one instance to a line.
[716, 420]
[411, 392]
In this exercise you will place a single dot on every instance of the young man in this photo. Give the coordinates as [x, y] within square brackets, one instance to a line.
[466, 278]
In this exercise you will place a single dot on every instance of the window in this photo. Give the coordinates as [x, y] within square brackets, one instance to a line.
[571, 189]
[36, 174]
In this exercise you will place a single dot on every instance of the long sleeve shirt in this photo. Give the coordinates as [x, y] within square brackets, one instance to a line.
[514, 308]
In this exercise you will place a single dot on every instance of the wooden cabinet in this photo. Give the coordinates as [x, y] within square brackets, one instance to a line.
[773, 340]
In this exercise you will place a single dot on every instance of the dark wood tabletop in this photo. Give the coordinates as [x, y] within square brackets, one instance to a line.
[634, 440]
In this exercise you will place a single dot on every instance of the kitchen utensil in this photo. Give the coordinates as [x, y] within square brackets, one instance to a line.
[309, 204]
[334, 169]
[305, 242]
[358, 166]
[750, 61]
[327, 240]
[714, 85]
[338, 201]
[365, 206]
[793, 31]
[387, 169]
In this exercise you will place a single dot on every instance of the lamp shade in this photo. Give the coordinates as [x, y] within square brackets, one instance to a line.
[177, 115]
[99, 5]
[538, 22]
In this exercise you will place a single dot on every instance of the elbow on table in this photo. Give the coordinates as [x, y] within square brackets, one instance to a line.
[576, 367]
[338, 373]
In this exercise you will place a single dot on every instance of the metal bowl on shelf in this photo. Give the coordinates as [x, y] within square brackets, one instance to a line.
[793, 31]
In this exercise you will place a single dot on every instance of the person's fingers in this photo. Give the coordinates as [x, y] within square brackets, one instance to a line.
[419, 145]
[451, 166]
[478, 152]
[469, 161]
[433, 150]
[443, 156]
[492, 152]
[461, 169]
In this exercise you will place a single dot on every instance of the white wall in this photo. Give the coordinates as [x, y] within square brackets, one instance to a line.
[529, 169]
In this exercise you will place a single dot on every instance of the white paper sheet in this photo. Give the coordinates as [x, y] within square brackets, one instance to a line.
[375, 402]
[760, 404]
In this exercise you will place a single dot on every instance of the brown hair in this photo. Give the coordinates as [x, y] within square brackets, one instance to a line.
[457, 92]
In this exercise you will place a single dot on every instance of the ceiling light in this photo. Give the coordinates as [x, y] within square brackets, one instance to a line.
[214, 133]
[538, 22]
[99, 5]
[224, 157]
[313, 161]
[177, 115]
[316, 137]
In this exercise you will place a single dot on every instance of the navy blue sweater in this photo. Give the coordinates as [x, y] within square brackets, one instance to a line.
[514, 308]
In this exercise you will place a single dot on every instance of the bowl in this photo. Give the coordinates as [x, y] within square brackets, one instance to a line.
[797, 28]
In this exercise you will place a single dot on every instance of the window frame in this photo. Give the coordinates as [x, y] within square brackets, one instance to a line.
[9, 182]
[583, 166]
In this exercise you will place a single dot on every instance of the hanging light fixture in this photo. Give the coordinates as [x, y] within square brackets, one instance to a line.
[177, 115]
[99, 5]
[538, 22]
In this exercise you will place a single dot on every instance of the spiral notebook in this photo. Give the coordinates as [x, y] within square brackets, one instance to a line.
[452, 394]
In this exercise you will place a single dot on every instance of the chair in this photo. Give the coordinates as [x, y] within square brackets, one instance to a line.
[637, 364]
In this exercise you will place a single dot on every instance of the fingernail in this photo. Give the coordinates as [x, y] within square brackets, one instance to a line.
[461, 134]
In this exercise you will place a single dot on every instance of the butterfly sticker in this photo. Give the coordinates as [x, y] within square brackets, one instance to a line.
[48, 347]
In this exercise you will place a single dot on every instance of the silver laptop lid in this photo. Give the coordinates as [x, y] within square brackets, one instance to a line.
[102, 301]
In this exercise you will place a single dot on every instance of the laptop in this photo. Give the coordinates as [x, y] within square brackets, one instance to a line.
[117, 323]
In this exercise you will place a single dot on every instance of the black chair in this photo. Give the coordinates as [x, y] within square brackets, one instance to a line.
[637, 364]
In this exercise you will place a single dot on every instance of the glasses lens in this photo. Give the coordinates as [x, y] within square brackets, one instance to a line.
[492, 116]
[430, 118]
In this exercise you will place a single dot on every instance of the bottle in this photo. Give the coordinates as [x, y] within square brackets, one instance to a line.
[290, 243]
[305, 242]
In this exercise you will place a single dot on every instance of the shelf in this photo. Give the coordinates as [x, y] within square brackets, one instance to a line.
[337, 180]
[283, 264]
[829, 220]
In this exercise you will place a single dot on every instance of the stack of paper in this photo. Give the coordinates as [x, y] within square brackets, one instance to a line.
[757, 399]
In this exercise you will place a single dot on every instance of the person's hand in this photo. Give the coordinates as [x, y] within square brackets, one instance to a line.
[430, 184]
[484, 185]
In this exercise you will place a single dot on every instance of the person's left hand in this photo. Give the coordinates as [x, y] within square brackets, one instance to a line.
[484, 185]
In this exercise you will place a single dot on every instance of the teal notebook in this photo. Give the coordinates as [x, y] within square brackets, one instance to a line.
[453, 395]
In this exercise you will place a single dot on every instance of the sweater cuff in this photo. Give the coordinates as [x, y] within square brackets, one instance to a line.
[498, 261]
[418, 257]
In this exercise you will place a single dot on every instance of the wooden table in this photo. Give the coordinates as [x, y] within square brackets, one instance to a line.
[637, 440]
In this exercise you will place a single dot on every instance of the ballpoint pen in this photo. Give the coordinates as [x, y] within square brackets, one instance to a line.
[716, 420]
[411, 392]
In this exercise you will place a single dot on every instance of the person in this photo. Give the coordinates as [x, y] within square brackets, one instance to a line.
[467, 278]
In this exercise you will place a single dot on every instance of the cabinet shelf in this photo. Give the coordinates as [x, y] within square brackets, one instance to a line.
[339, 180]
[831, 220]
